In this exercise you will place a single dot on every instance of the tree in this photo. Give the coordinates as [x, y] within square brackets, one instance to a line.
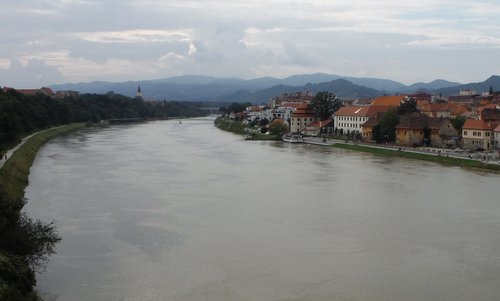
[387, 127]
[324, 105]
[407, 107]
[263, 122]
[458, 122]
[427, 136]
[278, 127]
[33, 240]
[491, 92]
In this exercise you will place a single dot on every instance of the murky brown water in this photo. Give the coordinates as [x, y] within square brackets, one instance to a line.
[169, 211]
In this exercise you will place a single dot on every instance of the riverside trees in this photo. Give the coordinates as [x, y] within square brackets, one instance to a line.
[324, 104]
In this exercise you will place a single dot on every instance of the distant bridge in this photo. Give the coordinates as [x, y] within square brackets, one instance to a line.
[211, 110]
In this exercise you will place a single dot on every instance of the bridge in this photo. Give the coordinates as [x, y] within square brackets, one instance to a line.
[211, 110]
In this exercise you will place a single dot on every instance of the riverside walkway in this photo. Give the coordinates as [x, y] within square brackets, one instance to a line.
[11, 151]
[485, 157]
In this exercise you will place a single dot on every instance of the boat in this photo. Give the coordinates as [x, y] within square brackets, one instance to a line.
[293, 138]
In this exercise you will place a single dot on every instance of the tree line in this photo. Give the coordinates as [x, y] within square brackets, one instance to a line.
[21, 114]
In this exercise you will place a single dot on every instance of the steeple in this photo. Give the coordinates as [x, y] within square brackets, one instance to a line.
[139, 93]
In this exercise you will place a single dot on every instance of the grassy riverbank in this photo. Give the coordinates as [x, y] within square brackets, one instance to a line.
[15, 172]
[23, 241]
[426, 157]
[230, 125]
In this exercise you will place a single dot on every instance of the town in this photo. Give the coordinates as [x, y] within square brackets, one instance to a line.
[468, 122]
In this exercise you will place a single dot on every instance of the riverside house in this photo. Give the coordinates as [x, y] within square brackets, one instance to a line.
[301, 117]
[411, 131]
[477, 134]
[496, 140]
[352, 119]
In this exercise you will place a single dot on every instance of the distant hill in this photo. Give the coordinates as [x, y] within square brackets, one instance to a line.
[340, 87]
[493, 81]
[209, 88]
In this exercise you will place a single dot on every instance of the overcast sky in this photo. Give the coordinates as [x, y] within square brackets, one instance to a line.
[57, 41]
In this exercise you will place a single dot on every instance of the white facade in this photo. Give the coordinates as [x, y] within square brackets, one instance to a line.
[350, 119]
[298, 123]
[282, 113]
[350, 123]
[496, 137]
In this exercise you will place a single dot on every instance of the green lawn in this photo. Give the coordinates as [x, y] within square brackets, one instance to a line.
[440, 159]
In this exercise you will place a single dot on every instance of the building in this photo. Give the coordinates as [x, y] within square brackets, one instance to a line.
[496, 137]
[67, 94]
[418, 129]
[139, 93]
[301, 117]
[477, 134]
[351, 119]
[32, 92]
[389, 101]
[297, 97]
[317, 127]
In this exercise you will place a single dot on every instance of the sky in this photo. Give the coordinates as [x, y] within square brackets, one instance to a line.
[48, 42]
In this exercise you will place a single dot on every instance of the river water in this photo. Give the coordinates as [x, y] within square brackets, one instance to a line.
[170, 211]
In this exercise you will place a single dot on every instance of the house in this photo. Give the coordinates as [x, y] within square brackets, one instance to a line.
[32, 92]
[297, 97]
[389, 101]
[301, 117]
[477, 134]
[68, 94]
[496, 137]
[315, 128]
[489, 113]
[367, 127]
[458, 110]
[432, 109]
[351, 119]
[418, 129]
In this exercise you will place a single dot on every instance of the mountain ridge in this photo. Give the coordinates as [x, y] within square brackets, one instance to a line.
[210, 88]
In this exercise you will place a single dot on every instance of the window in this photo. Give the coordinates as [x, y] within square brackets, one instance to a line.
[465, 133]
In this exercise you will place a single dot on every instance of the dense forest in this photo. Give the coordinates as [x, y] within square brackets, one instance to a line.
[25, 244]
[23, 114]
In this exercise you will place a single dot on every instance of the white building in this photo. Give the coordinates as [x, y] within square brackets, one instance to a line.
[350, 119]
[496, 137]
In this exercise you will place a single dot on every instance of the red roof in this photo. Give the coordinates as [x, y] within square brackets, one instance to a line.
[474, 124]
[392, 101]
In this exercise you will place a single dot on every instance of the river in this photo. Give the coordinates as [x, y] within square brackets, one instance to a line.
[170, 211]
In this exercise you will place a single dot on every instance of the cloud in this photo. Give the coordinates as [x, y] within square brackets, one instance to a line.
[135, 36]
[153, 38]
[35, 73]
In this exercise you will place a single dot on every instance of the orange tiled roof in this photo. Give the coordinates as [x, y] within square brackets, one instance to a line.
[352, 111]
[474, 124]
[392, 101]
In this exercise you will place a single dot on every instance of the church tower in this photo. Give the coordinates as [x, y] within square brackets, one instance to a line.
[139, 93]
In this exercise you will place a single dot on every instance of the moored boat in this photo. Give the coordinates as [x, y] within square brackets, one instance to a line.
[293, 138]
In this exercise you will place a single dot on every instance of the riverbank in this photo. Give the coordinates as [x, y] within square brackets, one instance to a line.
[446, 160]
[14, 174]
[230, 125]
[17, 277]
